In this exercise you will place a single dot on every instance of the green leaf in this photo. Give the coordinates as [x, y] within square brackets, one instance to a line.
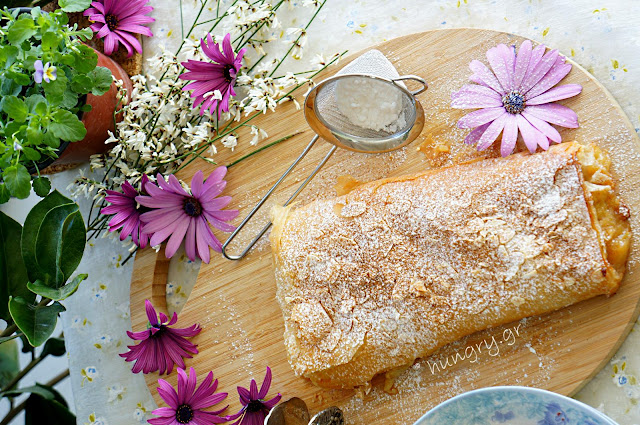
[86, 59]
[4, 193]
[8, 55]
[9, 363]
[53, 347]
[37, 104]
[50, 41]
[53, 240]
[15, 108]
[21, 30]
[51, 140]
[41, 390]
[69, 99]
[40, 411]
[34, 135]
[82, 83]
[74, 5]
[101, 80]
[63, 251]
[36, 322]
[58, 294]
[67, 126]
[42, 186]
[13, 274]
[18, 181]
[54, 90]
[30, 153]
[68, 60]
[21, 79]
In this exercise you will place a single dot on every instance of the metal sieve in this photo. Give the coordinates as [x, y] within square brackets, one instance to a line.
[386, 116]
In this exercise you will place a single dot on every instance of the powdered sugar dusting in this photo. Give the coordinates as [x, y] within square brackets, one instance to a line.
[370, 291]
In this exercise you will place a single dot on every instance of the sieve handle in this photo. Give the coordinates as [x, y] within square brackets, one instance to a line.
[425, 86]
[268, 194]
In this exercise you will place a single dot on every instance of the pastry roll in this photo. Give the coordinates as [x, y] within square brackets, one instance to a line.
[395, 269]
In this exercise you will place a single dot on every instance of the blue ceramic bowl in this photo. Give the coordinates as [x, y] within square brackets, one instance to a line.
[513, 406]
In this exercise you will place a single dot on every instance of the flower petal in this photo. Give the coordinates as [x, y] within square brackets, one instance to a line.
[522, 63]
[553, 77]
[492, 132]
[152, 315]
[266, 383]
[474, 96]
[532, 137]
[539, 71]
[554, 114]
[509, 135]
[483, 75]
[196, 184]
[204, 238]
[253, 390]
[544, 127]
[556, 93]
[480, 117]
[177, 236]
[475, 134]
[499, 58]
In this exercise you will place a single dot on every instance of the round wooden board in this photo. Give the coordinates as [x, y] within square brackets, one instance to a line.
[235, 301]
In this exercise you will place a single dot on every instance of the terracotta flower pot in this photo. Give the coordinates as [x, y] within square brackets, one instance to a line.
[97, 121]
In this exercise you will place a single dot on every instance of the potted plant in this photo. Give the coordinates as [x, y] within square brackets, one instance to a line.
[50, 82]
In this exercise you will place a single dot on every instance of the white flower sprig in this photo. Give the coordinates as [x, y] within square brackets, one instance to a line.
[160, 132]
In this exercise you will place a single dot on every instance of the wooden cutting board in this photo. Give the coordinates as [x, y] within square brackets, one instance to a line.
[235, 301]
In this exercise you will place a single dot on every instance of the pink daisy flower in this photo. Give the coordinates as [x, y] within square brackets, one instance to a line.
[254, 406]
[187, 404]
[161, 347]
[117, 21]
[179, 215]
[127, 213]
[218, 76]
[517, 95]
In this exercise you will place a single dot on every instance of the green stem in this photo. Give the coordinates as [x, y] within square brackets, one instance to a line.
[56, 379]
[256, 64]
[13, 413]
[188, 34]
[131, 254]
[295, 42]
[10, 329]
[263, 148]
[22, 373]
[181, 22]
[241, 36]
[12, 337]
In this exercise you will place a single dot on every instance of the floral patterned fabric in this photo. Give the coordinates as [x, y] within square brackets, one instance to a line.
[602, 36]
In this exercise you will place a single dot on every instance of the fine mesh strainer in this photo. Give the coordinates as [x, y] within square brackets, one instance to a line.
[364, 108]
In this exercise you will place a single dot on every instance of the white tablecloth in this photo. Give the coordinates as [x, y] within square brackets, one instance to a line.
[601, 35]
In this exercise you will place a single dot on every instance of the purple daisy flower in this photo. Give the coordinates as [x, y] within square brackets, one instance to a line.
[127, 213]
[517, 95]
[209, 77]
[160, 347]
[254, 406]
[187, 404]
[45, 72]
[180, 215]
[117, 21]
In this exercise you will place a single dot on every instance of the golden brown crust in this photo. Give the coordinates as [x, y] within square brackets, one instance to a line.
[399, 267]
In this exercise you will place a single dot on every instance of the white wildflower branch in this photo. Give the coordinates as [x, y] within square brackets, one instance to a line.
[158, 131]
